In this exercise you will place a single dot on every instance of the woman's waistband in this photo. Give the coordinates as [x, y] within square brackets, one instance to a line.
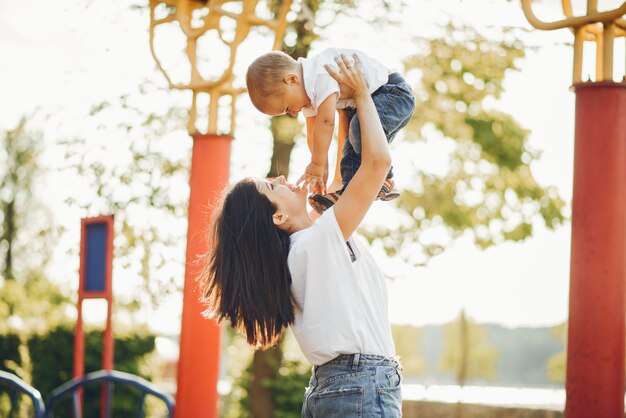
[362, 360]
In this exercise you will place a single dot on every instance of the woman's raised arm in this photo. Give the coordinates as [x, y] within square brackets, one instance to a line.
[356, 200]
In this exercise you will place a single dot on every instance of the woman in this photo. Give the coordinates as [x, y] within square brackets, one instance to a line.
[272, 266]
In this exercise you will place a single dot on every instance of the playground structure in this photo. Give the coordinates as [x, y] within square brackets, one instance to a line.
[74, 388]
[595, 348]
[216, 12]
[95, 282]
[198, 364]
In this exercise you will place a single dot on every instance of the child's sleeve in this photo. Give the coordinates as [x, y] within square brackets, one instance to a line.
[324, 86]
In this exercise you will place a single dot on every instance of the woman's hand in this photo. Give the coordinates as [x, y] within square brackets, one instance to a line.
[352, 82]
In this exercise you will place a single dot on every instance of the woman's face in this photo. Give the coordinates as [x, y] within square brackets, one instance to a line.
[286, 197]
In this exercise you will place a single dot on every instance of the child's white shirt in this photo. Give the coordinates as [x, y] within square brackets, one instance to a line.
[319, 84]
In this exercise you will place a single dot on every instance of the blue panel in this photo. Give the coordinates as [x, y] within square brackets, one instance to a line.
[95, 259]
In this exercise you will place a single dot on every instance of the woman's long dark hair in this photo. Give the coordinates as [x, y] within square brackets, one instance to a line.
[246, 278]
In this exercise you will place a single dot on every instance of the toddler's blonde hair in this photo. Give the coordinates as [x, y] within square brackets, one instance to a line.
[265, 75]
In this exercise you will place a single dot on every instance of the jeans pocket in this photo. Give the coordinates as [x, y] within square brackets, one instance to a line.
[390, 394]
[394, 379]
[339, 403]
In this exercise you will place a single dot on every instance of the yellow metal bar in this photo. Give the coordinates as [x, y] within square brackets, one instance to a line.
[168, 19]
[572, 21]
[233, 108]
[213, 108]
[281, 24]
[153, 4]
[599, 38]
[191, 123]
[579, 39]
[607, 52]
[567, 7]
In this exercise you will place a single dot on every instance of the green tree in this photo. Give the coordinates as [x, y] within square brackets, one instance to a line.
[488, 190]
[555, 368]
[28, 300]
[467, 353]
[26, 234]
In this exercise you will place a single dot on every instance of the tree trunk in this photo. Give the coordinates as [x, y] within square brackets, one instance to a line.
[463, 364]
[265, 367]
[9, 235]
[281, 158]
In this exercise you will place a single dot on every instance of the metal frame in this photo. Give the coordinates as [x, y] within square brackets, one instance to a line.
[599, 27]
[19, 386]
[181, 13]
[109, 378]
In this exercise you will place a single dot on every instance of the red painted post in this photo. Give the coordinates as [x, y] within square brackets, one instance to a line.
[198, 363]
[95, 282]
[595, 350]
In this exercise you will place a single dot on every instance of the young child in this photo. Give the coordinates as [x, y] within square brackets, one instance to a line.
[278, 84]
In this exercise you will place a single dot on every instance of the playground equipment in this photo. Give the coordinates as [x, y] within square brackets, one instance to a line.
[198, 364]
[17, 387]
[595, 347]
[108, 378]
[95, 272]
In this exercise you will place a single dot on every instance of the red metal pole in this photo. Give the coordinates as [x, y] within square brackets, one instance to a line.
[198, 363]
[595, 351]
[108, 344]
[79, 347]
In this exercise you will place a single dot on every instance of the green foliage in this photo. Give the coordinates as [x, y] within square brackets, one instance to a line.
[488, 190]
[51, 356]
[557, 363]
[26, 235]
[9, 352]
[37, 302]
[408, 341]
[288, 388]
[467, 353]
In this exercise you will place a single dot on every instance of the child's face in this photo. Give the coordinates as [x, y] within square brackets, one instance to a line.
[293, 99]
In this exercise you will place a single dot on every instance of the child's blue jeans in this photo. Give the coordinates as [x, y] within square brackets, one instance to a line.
[354, 385]
[395, 104]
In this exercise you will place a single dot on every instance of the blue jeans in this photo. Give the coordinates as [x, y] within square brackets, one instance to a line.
[395, 104]
[354, 385]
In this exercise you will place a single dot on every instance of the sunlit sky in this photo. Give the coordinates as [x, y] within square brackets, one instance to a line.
[66, 55]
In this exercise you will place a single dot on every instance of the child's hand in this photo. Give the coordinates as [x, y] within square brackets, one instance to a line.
[313, 178]
[318, 186]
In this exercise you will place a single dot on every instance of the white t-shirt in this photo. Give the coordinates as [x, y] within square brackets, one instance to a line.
[341, 306]
[319, 84]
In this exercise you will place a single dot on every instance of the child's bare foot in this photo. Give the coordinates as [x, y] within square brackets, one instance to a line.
[387, 192]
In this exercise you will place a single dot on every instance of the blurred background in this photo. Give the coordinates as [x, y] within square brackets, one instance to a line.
[476, 249]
